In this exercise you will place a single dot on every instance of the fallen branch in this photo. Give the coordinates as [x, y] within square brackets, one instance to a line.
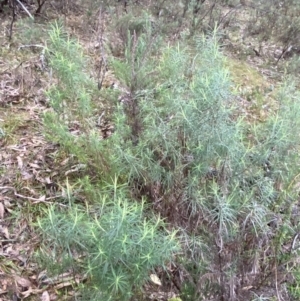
[26, 10]
[42, 199]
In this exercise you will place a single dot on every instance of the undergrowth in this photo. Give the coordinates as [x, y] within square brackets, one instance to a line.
[226, 188]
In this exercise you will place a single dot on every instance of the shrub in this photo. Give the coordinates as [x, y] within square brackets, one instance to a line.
[227, 187]
[115, 246]
[178, 128]
[73, 118]
[118, 242]
[222, 180]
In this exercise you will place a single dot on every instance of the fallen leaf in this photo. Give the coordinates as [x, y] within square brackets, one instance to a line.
[4, 231]
[1, 211]
[45, 296]
[42, 198]
[20, 162]
[7, 203]
[155, 279]
[33, 165]
[26, 175]
[23, 281]
[63, 284]
[30, 292]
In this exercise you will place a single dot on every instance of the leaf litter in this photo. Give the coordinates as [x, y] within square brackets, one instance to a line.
[28, 169]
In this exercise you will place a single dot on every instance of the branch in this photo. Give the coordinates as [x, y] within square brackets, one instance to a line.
[26, 10]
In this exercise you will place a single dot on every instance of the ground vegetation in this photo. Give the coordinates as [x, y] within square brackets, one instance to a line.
[149, 151]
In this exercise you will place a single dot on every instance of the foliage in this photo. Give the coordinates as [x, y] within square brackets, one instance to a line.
[117, 244]
[227, 186]
[189, 158]
[72, 122]
[119, 241]
[279, 21]
[30, 32]
[294, 288]
[214, 175]
[163, 150]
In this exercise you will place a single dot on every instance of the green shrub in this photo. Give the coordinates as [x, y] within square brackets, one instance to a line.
[73, 118]
[177, 128]
[179, 144]
[114, 241]
[227, 187]
[115, 246]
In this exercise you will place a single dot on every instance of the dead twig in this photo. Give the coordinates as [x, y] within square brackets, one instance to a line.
[103, 64]
[42, 199]
[13, 20]
[25, 9]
